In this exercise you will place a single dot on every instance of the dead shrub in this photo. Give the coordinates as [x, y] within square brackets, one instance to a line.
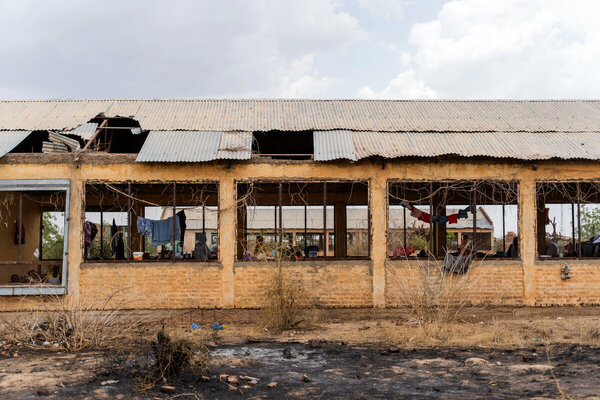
[286, 302]
[593, 333]
[67, 322]
[172, 354]
[432, 295]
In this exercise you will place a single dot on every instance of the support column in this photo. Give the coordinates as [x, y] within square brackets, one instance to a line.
[227, 240]
[75, 245]
[378, 208]
[527, 238]
[340, 229]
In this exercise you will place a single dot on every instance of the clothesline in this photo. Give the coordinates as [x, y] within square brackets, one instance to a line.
[436, 219]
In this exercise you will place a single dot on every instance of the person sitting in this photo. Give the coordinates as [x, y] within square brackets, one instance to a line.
[201, 250]
[54, 277]
[513, 249]
[551, 248]
[260, 252]
[466, 247]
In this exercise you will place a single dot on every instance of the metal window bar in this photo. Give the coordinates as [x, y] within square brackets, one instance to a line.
[579, 218]
[324, 244]
[174, 222]
[129, 235]
[474, 213]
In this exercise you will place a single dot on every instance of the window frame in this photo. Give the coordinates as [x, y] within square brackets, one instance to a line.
[41, 185]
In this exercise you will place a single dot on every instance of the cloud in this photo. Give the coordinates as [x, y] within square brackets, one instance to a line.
[383, 8]
[405, 86]
[508, 49]
[159, 48]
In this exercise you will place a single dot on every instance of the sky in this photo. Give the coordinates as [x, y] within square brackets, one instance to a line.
[411, 49]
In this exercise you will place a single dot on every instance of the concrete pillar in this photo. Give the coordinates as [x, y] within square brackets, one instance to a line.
[75, 245]
[227, 240]
[378, 209]
[527, 238]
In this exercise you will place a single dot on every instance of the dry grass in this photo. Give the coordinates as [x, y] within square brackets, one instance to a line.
[433, 296]
[286, 302]
[68, 322]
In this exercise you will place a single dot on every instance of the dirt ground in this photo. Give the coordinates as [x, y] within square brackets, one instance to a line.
[501, 353]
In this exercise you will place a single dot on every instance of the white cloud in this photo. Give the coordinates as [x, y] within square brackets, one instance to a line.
[405, 86]
[383, 8]
[302, 80]
[189, 48]
[510, 49]
[506, 49]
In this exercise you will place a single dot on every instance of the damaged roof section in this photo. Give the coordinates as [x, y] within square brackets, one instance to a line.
[193, 146]
[321, 130]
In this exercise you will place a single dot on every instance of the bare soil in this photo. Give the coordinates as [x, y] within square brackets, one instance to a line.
[544, 354]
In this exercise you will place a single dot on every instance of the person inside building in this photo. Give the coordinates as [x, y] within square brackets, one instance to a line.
[466, 247]
[54, 276]
[260, 252]
[201, 250]
[513, 249]
[551, 248]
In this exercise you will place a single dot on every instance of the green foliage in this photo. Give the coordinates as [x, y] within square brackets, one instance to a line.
[590, 221]
[52, 237]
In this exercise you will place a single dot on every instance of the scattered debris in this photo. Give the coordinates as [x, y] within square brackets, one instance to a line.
[271, 385]
[168, 389]
[43, 392]
[304, 378]
[109, 382]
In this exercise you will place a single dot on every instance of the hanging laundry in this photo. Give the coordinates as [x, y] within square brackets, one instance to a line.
[181, 215]
[162, 231]
[437, 219]
[463, 214]
[117, 244]
[144, 226]
[16, 238]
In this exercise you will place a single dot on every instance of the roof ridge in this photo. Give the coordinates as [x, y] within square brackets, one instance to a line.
[307, 100]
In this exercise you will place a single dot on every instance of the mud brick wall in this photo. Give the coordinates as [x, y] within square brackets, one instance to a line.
[486, 284]
[326, 284]
[143, 285]
[582, 289]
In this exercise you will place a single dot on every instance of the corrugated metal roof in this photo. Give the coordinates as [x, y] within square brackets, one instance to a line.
[333, 145]
[58, 138]
[299, 115]
[53, 147]
[10, 139]
[179, 146]
[86, 131]
[517, 145]
[235, 146]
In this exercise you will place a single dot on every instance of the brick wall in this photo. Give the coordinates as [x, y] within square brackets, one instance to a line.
[143, 285]
[582, 288]
[498, 284]
[327, 284]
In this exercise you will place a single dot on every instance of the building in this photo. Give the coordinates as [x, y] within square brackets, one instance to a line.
[76, 176]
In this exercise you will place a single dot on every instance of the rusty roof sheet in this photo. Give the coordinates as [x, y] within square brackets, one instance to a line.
[235, 146]
[299, 115]
[517, 145]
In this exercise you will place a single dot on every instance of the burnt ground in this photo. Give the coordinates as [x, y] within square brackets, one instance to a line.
[333, 370]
